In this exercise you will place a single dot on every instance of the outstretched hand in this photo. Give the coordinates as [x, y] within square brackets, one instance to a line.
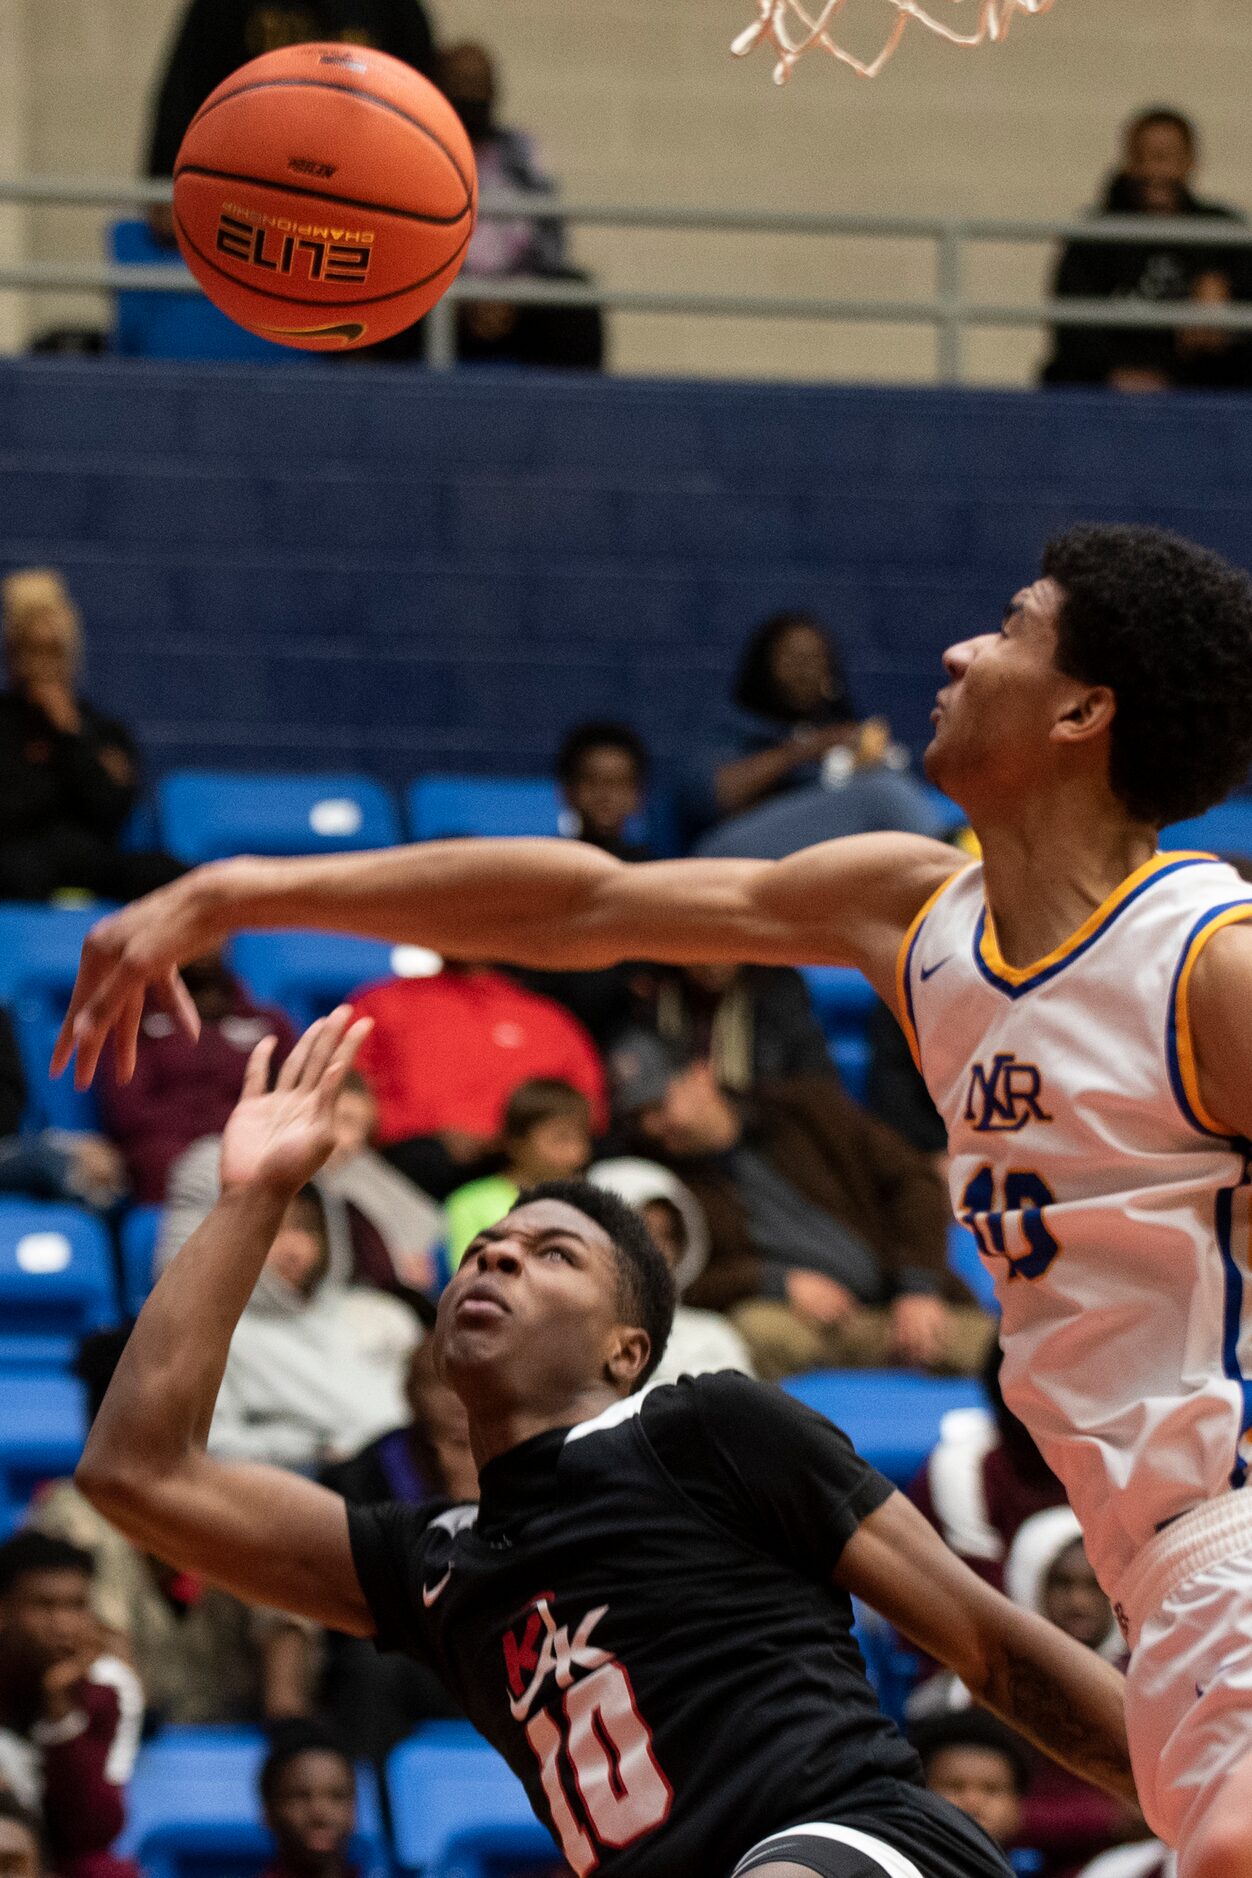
[281, 1137]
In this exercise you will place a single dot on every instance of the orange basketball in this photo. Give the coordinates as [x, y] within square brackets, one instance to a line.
[324, 196]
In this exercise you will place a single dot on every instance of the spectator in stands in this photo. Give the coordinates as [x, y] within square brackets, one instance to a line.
[984, 1480]
[57, 1164]
[376, 1699]
[215, 37]
[897, 1093]
[751, 1022]
[316, 1367]
[381, 1227]
[700, 1341]
[972, 1760]
[201, 1656]
[70, 1715]
[493, 328]
[68, 775]
[1159, 156]
[308, 1795]
[184, 1089]
[21, 1840]
[797, 763]
[602, 770]
[546, 1136]
[445, 1055]
[828, 1233]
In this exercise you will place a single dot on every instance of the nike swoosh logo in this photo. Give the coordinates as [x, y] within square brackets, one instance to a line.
[431, 1594]
[928, 971]
[349, 331]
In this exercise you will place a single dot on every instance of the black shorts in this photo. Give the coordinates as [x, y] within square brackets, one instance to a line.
[830, 1852]
[909, 1834]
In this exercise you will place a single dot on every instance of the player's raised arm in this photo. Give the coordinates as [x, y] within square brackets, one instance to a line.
[268, 1536]
[559, 904]
[1063, 1697]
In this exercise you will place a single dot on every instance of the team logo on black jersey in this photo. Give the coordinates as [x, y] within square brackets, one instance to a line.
[1002, 1099]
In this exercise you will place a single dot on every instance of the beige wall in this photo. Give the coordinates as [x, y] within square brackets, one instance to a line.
[639, 98]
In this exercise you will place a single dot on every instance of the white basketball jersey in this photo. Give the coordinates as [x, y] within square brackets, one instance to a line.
[1110, 1207]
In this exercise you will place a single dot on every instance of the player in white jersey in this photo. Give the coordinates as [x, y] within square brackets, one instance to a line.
[1082, 1007]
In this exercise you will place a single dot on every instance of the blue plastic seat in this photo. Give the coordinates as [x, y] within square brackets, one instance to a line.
[309, 973]
[176, 325]
[206, 815]
[891, 1416]
[43, 1424]
[1227, 829]
[843, 1001]
[457, 1808]
[56, 1282]
[193, 1810]
[139, 1233]
[440, 807]
[39, 952]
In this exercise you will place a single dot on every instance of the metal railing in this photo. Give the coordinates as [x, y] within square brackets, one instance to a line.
[949, 311]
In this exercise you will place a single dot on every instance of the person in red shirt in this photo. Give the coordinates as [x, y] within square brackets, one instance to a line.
[445, 1055]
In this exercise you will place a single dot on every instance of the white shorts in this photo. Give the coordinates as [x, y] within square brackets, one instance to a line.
[1187, 1605]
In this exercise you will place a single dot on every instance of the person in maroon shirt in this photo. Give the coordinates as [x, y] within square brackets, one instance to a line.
[182, 1089]
[70, 1717]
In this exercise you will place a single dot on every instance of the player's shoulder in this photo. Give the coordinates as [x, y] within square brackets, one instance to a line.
[729, 1407]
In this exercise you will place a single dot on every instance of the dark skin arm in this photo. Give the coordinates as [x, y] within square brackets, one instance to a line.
[1065, 1699]
[744, 780]
[270, 1537]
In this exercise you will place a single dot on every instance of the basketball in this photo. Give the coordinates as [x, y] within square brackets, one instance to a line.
[324, 196]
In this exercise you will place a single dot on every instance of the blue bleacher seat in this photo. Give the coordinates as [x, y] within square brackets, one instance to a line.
[843, 1001]
[440, 807]
[308, 973]
[176, 325]
[138, 1235]
[43, 1424]
[39, 951]
[457, 1808]
[193, 1809]
[1226, 829]
[892, 1417]
[56, 1282]
[208, 814]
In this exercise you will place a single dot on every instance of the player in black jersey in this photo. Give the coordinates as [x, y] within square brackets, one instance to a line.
[648, 1613]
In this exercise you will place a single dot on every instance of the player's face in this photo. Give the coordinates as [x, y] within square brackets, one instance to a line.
[313, 1810]
[532, 1318]
[995, 720]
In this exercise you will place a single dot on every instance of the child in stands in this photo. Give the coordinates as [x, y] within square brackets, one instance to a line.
[546, 1136]
[308, 1795]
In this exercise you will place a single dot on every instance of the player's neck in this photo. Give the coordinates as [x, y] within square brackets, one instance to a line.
[1047, 870]
[495, 1427]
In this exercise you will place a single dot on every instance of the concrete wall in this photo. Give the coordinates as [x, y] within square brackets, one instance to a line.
[639, 98]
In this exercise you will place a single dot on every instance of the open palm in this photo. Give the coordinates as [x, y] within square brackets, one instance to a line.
[282, 1136]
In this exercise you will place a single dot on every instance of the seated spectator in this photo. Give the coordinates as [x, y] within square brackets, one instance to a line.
[68, 775]
[1159, 156]
[21, 1840]
[58, 1163]
[381, 1227]
[308, 1795]
[749, 1021]
[446, 1053]
[700, 1341]
[185, 1088]
[977, 1764]
[492, 328]
[546, 1136]
[828, 1233]
[602, 770]
[797, 763]
[315, 1368]
[201, 1655]
[984, 1479]
[70, 1715]
[377, 1699]
[897, 1092]
[215, 37]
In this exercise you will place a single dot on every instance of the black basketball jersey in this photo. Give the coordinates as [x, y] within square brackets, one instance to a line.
[640, 1617]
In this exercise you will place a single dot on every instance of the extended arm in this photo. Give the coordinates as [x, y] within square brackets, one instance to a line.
[268, 1536]
[1214, 1031]
[559, 904]
[1064, 1698]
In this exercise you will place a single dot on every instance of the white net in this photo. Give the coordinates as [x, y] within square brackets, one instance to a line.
[794, 27]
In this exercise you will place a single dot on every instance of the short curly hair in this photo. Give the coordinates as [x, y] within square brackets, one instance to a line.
[1167, 626]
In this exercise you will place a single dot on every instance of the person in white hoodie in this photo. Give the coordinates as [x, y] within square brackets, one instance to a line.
[701, 1341]
[316, 1366]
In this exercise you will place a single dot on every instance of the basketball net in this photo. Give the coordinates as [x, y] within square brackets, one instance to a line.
[794, 27]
